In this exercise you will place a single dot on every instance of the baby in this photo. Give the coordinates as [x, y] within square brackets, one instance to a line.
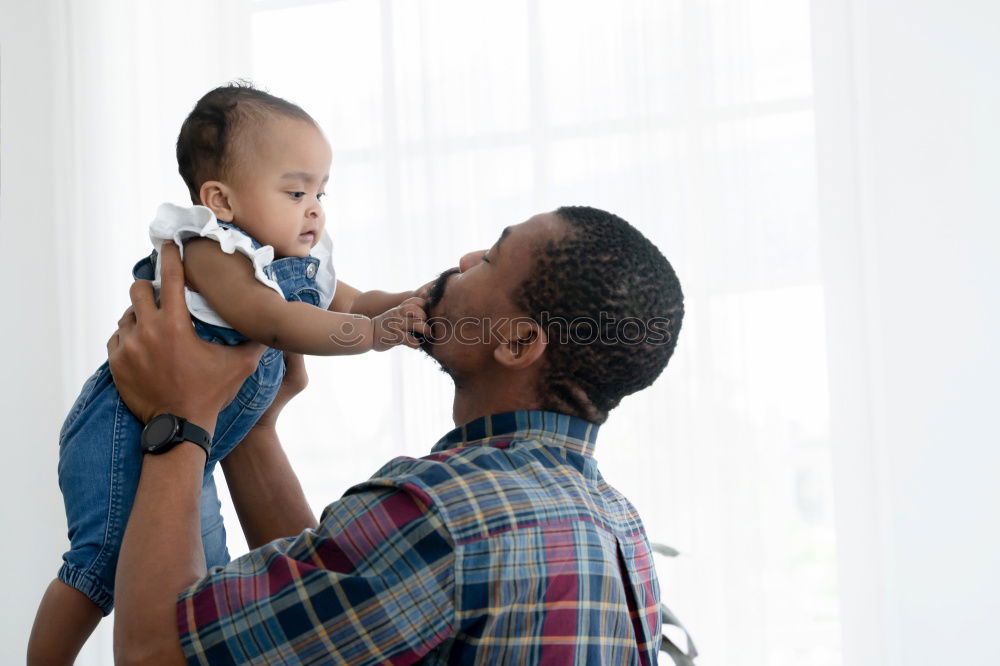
[258, 266]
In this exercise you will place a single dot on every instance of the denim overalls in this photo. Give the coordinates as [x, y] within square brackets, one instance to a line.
[100, 458]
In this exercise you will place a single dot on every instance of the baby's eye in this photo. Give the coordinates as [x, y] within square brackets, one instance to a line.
[296, 195]
[319, 197]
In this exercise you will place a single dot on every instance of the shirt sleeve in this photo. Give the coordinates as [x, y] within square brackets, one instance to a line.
[374, 583]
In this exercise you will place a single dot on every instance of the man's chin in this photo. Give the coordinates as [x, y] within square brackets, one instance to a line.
[428, 348]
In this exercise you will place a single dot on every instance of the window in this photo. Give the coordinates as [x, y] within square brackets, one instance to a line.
[693, 120]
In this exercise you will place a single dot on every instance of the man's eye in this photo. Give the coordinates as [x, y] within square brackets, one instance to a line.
[296, 195]
[486, 259]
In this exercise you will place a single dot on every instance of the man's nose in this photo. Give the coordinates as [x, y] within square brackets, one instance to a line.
[471, 259]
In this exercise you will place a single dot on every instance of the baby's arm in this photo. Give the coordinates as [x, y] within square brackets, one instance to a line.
[227, 282]
[367, 303]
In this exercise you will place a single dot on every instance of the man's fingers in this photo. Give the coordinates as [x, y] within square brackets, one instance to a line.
[127, 317]
[296, 378]
[293, 362]
[171, 280]
[295, 366]
[129, 320]
[143, 301]
[127, 323]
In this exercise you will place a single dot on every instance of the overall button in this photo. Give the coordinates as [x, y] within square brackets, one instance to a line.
[311, 271]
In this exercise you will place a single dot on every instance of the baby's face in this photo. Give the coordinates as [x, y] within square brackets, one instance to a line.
[276, 195]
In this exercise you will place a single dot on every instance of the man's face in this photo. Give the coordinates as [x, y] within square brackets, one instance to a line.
[471, 307]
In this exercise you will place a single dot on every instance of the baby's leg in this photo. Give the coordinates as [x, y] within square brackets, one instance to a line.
[99, 464]
[213, 530]
[65, 619]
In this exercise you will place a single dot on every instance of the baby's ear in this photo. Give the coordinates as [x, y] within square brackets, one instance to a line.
[215, 195]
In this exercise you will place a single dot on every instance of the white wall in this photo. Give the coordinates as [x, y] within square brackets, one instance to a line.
[909, 146]
[31, 395]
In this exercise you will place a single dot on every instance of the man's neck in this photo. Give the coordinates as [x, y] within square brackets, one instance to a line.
[477, 399]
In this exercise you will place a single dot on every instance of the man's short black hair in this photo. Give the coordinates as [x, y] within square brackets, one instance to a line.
[612, 307]
[207, 146]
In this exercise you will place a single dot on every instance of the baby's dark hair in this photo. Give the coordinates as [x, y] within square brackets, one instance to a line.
[208, 144]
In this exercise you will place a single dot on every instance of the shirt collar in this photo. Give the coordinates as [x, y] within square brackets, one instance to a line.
[556, 429]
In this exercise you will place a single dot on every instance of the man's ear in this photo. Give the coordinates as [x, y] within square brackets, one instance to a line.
[525, 344]
[216, 196]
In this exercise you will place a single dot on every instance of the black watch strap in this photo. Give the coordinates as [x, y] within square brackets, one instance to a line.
[166, 431]
[189, 432]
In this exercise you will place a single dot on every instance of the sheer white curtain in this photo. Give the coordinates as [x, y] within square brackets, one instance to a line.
[451, 119]
[693, 120]
[121, 77]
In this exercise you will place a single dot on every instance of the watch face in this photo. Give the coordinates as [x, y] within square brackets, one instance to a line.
[158, 432]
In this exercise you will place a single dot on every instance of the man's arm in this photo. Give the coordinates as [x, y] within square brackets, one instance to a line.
[161, 366]
[268, 496]
[161, 555]
[374, 583]
[375, 577]
[265, 490]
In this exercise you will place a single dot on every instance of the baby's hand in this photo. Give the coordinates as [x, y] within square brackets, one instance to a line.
[405, 324]
[424, 291]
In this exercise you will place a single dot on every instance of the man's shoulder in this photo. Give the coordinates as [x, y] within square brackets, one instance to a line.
[511, 459]
[440, 471]
[484, 489]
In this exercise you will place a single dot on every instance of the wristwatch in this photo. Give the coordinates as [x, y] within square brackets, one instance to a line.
[166, 431]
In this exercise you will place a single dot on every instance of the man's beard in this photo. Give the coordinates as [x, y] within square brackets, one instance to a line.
[434, 297]
[436, 292]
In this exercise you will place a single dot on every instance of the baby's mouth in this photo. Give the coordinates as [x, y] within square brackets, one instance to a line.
[308, 236]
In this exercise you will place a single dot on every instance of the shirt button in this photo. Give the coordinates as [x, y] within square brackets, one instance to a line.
[311, 271]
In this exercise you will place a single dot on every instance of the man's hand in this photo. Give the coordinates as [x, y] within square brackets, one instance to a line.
[159, 363]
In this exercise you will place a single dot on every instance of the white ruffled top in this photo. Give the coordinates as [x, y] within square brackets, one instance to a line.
[179, 224]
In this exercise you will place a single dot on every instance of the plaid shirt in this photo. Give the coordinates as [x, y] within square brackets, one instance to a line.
[504, 546]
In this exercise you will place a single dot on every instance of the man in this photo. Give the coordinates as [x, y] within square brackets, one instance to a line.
[504, 545]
